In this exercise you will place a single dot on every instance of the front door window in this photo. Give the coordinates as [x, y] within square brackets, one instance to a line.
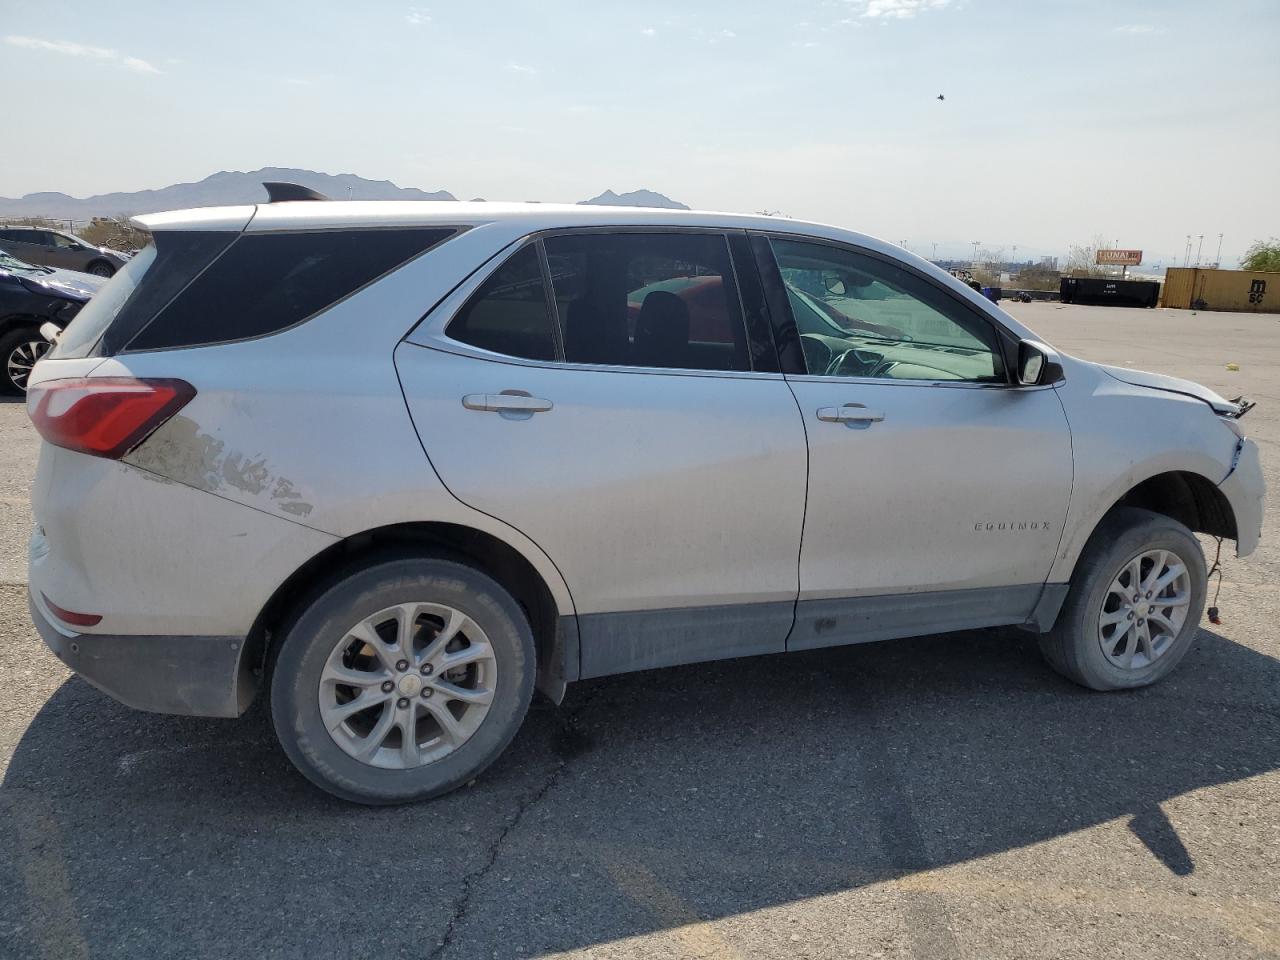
[858, 316]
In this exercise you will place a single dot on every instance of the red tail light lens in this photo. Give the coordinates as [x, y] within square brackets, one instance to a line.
[69, 617]
[104, 416]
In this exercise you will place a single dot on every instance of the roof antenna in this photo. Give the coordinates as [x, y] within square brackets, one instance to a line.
[280, 192]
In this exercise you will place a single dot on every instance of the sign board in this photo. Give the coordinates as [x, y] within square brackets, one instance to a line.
[1119, 258]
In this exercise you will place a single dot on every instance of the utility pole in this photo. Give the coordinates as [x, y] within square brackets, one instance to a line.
[1217, 261]
[1013, 262]
[1186, 254]
[935, 249]
[1199, 248]
[975, 252]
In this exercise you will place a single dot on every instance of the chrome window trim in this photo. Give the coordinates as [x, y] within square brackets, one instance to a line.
[445, 345]
[430, 331]
[889, 381]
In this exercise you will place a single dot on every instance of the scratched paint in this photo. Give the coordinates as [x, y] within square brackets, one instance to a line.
[180, 451]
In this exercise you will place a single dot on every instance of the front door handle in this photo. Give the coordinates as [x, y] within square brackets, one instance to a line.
[849, 413]
[506, 403]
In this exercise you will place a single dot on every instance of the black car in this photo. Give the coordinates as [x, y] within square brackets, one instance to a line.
[29, 297]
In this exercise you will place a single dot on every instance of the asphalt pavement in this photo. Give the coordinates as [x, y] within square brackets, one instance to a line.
[946, 796]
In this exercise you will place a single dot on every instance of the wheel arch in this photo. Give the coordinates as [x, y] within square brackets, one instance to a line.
[16, 321]
[1187, 496]
[1191, 498]
[554, 627]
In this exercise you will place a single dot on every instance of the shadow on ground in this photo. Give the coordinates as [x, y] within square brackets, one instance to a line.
[646, 802]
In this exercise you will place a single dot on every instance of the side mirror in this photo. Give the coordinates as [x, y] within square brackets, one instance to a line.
[1038, 364]
[834, 283]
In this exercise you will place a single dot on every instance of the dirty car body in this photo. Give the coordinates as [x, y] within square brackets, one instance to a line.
[398, 462]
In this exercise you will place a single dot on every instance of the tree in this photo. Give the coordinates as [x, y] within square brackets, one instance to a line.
[1082, 260]
[1263, 256]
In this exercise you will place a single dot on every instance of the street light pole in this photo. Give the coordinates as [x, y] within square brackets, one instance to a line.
[1217, 261]
[974, 262]
[1199, 247]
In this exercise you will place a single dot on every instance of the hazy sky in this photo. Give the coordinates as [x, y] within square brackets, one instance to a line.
[1135, 119]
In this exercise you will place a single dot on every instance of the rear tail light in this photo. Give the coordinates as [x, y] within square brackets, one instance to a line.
[104, 416]
[71, 617]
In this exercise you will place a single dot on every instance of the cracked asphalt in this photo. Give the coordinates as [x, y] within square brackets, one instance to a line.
[945, 796]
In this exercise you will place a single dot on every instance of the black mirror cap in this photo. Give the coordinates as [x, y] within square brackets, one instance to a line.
[1038, 365]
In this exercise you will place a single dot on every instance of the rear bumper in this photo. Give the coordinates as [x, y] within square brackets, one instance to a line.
[192, 676]
[1244, 489]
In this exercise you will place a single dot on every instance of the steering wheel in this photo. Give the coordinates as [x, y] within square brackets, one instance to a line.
[817, 355]
[854, 363]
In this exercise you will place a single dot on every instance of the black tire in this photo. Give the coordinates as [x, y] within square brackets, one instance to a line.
[101, 268]
[1073, 647]
[10, 342]
[297, 663]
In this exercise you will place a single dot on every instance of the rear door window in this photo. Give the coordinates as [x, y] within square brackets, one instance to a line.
[648, 300]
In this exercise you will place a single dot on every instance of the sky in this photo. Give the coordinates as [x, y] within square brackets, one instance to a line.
[1140, 121]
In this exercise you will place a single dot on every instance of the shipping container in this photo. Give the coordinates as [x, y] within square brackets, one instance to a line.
[1245, 291]
[1109, 291]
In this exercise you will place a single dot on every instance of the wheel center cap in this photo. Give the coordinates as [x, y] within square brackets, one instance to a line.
[410, 685]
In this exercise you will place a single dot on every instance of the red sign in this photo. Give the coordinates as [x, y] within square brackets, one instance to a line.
[1125, 258]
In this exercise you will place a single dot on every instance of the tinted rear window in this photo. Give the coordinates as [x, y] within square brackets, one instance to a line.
[264, 283]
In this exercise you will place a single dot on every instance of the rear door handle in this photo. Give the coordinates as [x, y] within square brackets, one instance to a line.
[506, 403]
[849, 413]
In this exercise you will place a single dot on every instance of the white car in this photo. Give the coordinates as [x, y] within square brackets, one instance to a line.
[394, 465]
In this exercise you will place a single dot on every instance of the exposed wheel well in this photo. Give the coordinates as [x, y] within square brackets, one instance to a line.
[451, 541]
[1192, 500]
[17, 321]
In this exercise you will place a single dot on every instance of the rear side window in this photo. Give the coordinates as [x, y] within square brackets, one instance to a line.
[509, 314]
[267, 282]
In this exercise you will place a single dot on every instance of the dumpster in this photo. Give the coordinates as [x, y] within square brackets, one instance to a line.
[1109, 292]
[992, 293]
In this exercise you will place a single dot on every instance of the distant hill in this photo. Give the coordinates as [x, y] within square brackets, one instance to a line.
[636, 198]
[220, 189]
[233, 187]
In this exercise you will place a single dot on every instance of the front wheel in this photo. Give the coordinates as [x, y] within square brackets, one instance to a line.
[102, 269]
[402, 681]
[19, 351]
[1134, 604]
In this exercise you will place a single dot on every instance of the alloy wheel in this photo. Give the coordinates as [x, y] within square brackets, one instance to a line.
[408, 685]
[22, 358]
[1144, 609]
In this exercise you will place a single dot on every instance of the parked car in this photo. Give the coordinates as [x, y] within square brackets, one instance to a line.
[55, 248]
[394, 465]
[31, 296]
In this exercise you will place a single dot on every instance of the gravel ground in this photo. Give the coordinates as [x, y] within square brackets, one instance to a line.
[937, 797]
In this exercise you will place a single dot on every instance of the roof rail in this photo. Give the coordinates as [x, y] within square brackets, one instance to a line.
[278, 192]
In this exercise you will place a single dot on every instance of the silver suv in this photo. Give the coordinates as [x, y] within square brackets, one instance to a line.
[56, 248]
[396, 465]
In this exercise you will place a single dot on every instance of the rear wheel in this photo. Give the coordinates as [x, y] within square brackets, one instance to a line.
[1134, 603]
[19, 351]
[402, 681]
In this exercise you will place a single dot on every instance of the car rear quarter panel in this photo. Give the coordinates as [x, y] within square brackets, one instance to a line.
[153, 556]
[1123, 434]
[309, 425]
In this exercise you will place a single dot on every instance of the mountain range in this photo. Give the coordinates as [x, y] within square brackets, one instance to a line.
[229, 187]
